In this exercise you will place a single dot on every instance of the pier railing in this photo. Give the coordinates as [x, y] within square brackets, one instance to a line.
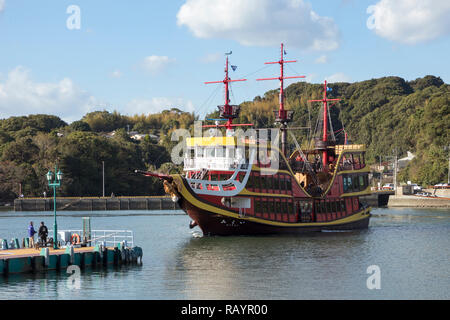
[108, 237]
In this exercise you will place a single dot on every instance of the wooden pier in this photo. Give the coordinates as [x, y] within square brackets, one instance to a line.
[29, 260]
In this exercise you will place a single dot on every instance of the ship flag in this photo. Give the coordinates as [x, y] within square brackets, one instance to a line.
[233, 67]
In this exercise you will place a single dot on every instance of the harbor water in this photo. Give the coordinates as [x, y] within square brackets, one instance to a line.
[409, 247]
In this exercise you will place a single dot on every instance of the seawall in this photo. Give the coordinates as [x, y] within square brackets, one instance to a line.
[418, 202]
[95, 204]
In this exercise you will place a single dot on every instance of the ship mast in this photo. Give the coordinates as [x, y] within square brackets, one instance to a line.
[282, 116]
[227, 111]
[324, 145]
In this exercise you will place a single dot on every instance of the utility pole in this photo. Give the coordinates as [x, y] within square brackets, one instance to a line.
[448, 177]
[395, 170]
[381, 174]
[103, 164]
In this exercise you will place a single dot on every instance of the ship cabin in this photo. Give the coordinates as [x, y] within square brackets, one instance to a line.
[241, 179]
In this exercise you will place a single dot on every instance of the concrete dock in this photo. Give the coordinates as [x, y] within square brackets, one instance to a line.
[29, 260]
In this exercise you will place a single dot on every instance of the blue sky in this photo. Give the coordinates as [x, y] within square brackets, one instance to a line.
[144, 56]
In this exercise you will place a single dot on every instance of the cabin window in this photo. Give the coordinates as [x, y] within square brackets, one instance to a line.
[263, 182]
[282, 183]
[361, 183]
[317, 207]
[288, 183]
[284, 207]
[210, 152]
[199, 152]
[214, 177]
[344, 182]
[329, 208]
[257, 203]
[290, 208]
[263, 207]
[276, 183]
[334, 206]
[230, 152]
[271, 207]
[220, 151]
[355, 184]
[343, 205]
[269, 182]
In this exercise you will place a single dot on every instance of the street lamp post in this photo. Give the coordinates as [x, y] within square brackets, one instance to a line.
[54, 180]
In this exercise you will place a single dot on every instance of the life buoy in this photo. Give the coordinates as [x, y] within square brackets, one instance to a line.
[75, 239]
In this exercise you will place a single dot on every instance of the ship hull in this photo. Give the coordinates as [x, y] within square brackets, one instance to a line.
[213, 224]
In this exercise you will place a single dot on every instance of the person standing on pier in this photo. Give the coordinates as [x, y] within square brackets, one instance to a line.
[31, 233]
[43, 232]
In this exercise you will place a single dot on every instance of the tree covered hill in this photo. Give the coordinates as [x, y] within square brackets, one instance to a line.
[30, 146]
[386, 114]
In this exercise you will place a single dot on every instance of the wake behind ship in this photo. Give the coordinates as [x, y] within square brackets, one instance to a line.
[243, 184]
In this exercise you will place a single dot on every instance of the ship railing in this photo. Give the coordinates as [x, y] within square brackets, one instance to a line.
[106, 237]
[211, 163]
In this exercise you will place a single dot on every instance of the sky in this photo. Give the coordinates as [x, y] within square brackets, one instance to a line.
[68, 58]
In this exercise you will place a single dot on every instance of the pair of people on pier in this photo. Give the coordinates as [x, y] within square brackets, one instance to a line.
[43, 233]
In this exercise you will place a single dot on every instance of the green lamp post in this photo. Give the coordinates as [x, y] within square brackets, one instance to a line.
[54, 180]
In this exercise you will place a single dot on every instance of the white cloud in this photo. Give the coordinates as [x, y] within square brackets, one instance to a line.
[322, 59]
[116, 74]
[155, 64]
[310, 77]
[20, 95]
[2, 5]
[410, 21]
[212, 57]
[155, 105]
[338, 77]
[260, 22]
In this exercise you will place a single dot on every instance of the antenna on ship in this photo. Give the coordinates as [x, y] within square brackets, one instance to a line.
[282, 116]
[322, 145]
[227, 112]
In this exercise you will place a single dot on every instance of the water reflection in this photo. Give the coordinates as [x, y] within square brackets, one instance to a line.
[267, 267]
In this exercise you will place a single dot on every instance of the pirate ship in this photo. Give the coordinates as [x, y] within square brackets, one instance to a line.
[243, 184]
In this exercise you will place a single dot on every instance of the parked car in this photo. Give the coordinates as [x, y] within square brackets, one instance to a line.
[416, 187]
[425, 194]
[388, 186]
[441, 186]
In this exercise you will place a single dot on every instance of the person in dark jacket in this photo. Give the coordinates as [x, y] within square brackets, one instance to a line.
[43, 232]
[31, 233]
